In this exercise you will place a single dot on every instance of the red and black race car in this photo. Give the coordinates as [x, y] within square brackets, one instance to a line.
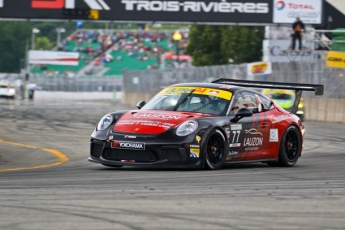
[203, 125]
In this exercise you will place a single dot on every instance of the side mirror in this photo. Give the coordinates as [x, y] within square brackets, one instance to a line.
[141, 104]
[244, 112]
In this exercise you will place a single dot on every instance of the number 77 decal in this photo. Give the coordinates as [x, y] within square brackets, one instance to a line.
[235, 133]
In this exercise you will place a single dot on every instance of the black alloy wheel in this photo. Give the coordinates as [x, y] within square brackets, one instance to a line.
[290, 147]
[215, 150]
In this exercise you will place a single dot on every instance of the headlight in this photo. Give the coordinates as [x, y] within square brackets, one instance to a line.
[105, 122]
[186, 128]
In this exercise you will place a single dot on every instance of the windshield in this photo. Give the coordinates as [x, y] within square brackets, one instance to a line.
[190, 99]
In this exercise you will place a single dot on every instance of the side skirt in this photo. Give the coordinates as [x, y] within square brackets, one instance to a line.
[254, 161]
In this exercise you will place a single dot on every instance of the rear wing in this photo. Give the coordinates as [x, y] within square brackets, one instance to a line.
[276, 85]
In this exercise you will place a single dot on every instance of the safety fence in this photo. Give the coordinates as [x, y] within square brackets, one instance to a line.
[152, 81]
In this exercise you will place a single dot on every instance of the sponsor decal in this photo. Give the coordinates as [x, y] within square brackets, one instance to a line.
[253, 132]
[232, 153]
[132, 137]
[278, 119]
[335, 59]
[273, 135]
[194, 153]
[195, 146]
[164, 125]
[214, 92]
[236, 127]
[234, 145]
[259, 68]
[111, 138]
[156, 116]
[204, 91]
[68, 4]
[253, 141]
[128, 145]
[196, 6]
[198, 138]
[252, 149]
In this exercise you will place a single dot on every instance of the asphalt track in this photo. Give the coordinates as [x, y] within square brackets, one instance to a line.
[78, 194]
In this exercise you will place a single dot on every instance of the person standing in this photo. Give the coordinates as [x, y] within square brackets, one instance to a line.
[31, 87]
[297, 27]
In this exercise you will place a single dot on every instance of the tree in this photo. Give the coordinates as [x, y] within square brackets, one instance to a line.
[205, 45]
[216, 45]
[13, 39]
[43, 43]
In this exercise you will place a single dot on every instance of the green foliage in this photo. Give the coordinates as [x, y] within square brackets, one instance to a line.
[13, 39]
[244, 44]
[43, 43]
[205, 45]
[216, 45]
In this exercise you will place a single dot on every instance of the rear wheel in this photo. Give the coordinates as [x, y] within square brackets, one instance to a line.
[215, 154]
[290, 147]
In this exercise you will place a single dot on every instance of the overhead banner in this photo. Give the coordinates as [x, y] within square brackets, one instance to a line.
[286, 11]
[259, 68]
[53, 58]
[335, 59]
[201, 11]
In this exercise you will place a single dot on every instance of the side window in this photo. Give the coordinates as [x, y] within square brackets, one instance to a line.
[244, 100]
[266, 103]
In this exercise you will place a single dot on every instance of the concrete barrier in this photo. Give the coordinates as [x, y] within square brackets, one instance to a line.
[325, 109]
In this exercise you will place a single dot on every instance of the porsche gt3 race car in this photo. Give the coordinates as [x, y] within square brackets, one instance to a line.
[285, 99]
[203, 125]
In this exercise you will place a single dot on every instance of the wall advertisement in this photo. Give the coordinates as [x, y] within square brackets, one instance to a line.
[286, 11]
[53, 58]
[199, 11]
[279, 51]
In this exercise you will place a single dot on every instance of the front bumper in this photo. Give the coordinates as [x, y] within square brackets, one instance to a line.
[175, 155]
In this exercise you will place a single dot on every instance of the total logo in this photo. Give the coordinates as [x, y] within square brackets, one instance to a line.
[280, 5]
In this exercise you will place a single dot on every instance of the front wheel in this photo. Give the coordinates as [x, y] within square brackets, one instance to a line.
[290, 147]
[215, 154]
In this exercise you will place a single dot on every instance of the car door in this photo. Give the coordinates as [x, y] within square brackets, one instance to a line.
[247, 139]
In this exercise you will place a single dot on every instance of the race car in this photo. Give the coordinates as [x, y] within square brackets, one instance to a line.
[203, 125]
[285, 99]
[7, 91]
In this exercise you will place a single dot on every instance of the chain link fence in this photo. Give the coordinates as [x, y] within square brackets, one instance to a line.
[152, 81]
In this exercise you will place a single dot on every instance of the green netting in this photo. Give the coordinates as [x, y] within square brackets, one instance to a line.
[338, 40]
[126, 63]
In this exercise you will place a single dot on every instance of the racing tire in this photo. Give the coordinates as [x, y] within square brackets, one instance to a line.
[215, 154]
[290, 147]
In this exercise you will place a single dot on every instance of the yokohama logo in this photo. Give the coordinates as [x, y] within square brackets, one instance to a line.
[128, 145]
[67, 4]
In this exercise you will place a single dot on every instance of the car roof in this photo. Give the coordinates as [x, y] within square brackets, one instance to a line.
[230, 88]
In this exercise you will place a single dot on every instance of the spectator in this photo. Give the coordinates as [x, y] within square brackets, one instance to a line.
[297, 28]
[31, 87]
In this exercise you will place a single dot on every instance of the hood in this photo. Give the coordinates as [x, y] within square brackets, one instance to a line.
[152, 121]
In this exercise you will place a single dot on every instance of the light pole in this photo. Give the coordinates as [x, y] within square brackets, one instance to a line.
[33, 38]
[59, 30]
[177, 36]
